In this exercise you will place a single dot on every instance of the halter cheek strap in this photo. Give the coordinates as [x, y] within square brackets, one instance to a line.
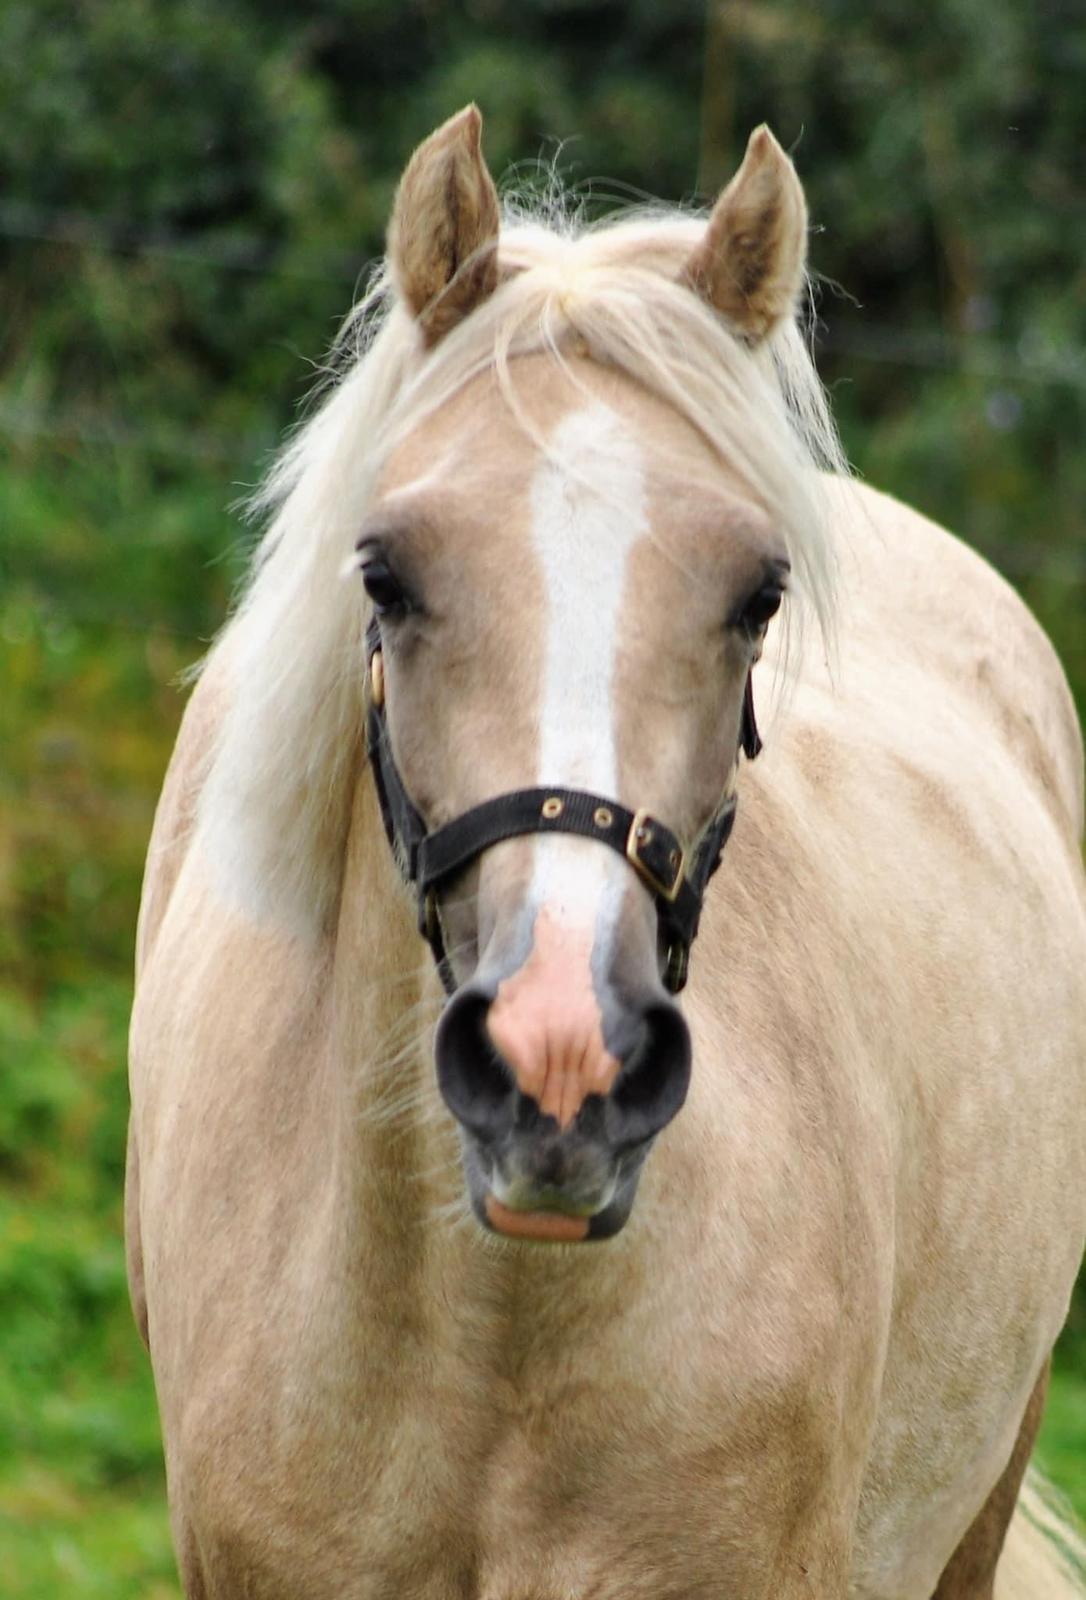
[429, 861]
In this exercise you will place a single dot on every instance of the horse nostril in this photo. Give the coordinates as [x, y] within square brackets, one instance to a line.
[655, 1076]
[649, 1038]
[474, 1081]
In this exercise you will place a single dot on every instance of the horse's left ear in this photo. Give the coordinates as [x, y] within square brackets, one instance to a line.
[750, 263]
[443, 236]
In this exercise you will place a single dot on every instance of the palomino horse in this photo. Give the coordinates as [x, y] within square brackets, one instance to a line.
[527, 1327]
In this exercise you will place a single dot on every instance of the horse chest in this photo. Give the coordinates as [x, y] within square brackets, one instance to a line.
[431, 1517]
[390, 1466]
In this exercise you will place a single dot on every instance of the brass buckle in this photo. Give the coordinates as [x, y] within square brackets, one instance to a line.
[667, 891]
[377, 679]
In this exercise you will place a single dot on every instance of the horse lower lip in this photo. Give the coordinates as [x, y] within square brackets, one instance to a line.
[554, 1226]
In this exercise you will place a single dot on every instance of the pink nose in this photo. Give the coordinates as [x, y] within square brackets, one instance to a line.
[546, 1024]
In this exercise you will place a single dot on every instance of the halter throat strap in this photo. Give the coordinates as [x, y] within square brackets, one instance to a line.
[430, 860]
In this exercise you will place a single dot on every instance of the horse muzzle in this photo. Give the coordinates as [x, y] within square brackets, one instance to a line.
[560, 1081]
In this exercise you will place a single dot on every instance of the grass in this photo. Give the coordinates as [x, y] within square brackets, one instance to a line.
[57, 1540]
[1061, 1449]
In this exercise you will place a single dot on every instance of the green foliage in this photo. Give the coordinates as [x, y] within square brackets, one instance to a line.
[189, 195]
[81, 1486]
[1060, 1451]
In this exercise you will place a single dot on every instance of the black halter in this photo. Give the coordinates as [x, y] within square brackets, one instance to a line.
[676, 879]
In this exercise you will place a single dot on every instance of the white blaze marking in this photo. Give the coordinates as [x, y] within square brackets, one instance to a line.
[588, 512]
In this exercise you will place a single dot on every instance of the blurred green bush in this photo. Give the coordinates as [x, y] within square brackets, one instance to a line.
[189, 197]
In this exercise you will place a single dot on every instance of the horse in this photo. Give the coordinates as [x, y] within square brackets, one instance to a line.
[570, 1158]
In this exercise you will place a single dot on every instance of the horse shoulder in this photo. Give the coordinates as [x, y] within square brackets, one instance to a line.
[170, 834]
[175, 813]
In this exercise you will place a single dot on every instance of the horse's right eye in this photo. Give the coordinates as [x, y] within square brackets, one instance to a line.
[388, 594]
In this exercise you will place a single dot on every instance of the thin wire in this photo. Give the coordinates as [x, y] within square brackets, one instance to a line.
[878, 342]
[54, 611]
[882, 342]
[85, 230]
[120, 433]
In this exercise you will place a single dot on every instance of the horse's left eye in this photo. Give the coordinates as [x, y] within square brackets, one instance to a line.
[757, 610]
[384, 588]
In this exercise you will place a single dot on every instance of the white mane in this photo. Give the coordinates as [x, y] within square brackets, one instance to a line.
[275, 805]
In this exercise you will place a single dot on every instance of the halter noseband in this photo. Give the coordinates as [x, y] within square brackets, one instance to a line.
[676, 879]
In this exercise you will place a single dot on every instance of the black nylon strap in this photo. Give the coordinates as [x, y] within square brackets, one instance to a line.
[404, 827]
[750, 740]
[543, 811]
[429, 860]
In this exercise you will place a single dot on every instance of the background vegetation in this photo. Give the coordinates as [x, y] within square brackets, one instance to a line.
[189, 193]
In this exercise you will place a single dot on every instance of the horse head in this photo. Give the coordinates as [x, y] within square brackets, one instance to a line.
[570, 583]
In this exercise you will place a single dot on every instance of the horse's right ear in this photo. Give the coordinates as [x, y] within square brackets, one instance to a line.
[443, 236]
